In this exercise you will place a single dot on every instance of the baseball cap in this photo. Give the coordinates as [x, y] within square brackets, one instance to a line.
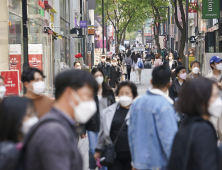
[215, 59]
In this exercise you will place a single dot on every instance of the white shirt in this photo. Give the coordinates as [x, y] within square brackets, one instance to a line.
[170, 64]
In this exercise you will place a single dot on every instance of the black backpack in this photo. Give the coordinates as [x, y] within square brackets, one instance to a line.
[11, 158]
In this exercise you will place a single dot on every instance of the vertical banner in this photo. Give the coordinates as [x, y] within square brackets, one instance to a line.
[35, 55]
[89, 59]
[15, 57]
[98, 36]
[11, 80]
[211, 9]
[171, 30]
[163, 29]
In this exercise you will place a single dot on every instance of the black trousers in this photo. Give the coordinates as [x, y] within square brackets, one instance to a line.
[122, 162]
[127, 76]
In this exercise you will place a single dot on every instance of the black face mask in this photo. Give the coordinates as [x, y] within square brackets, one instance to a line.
[117, 59]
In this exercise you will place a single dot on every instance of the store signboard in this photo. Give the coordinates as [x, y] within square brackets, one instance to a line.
[90, 30]
[48, 4]
[83, 24]
[15, 57]
[211, 9]
[41, 12]
[11, 80]
[35, 55]
[193, 7]
[41, 4]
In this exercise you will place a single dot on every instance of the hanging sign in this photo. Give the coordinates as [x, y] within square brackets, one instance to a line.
[192, 39]
[211, 9]
[35, 55]
[83, 24]
[171, 30]
[11, 80]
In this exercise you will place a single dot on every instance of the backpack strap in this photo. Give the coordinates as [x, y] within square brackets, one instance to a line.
[21, 161]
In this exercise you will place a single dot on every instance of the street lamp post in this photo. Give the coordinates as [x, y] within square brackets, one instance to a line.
[186, 57]
[25, 36]
[103, 23]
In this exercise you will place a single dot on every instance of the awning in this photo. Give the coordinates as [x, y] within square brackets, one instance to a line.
[53, 10]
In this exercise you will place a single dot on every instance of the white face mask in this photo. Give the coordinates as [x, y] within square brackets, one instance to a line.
[114, 64]
[170, 58]
[125, 100]
[99, 80]
[2, 91]
[78, 68]
[38, 87]
[27, 125]
[84, 110]
[215, 108]
[103, 60]
[219, 66]
[195, 70]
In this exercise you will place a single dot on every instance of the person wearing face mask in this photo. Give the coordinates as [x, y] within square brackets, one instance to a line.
[195, 144]
[77, 65]
[104, 98]
[172, 64]
[152, 124]
[56, 141]
[178, 82]
[105, 67]
[115, 73]
[195, 67]
[2, 88]
[33, 81]
[17, 116]
[216, 74]
[112, 119]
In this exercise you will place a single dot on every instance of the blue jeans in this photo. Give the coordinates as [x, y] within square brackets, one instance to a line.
[93, 138]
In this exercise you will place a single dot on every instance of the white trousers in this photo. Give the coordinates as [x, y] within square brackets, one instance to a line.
[138, 74]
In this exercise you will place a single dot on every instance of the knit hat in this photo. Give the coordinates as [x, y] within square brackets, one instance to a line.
[178, 68]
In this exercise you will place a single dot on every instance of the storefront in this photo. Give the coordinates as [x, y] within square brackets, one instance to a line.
[40, 41]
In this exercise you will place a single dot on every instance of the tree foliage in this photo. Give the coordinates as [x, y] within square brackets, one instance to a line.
[123, 15]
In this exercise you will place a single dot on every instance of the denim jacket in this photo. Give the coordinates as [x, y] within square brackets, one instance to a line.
[152, 127]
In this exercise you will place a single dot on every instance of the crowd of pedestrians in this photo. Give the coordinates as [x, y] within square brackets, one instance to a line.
[125, 131]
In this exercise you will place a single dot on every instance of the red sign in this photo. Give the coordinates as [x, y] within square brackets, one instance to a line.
[41, 4]
[35, 60]
[147, 34]
[35, 55]
[193, 7]
[11, 79]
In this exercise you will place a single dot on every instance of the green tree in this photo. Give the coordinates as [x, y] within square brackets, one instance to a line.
[123, 15]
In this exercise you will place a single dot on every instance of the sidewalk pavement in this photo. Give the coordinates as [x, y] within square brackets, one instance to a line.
[83, 144]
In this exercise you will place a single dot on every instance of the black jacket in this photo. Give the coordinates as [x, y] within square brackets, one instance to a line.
[204, 154]
[175, 89]
[174, 65]
[106, 69]
[94, 123]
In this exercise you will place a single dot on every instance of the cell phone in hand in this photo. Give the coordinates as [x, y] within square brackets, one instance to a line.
[98, 163]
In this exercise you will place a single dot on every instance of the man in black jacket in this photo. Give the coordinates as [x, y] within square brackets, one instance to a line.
[105, 68]
[53, 146]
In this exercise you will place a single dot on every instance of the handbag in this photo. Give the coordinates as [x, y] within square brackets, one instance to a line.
[108, 154]
[125, 69]
[140, 63]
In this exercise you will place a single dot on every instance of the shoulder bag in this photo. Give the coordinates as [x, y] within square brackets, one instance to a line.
[108, 154]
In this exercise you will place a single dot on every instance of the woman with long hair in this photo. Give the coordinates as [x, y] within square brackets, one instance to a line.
[17, 116]
[195, 144]
[104, 98]
[172, 64]
[137, 61]
[128, 62]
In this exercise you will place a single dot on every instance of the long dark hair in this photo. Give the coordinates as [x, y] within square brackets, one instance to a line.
[136, 57]
[194, 97]
[133, 56]
[106, 89]
[12, 112]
